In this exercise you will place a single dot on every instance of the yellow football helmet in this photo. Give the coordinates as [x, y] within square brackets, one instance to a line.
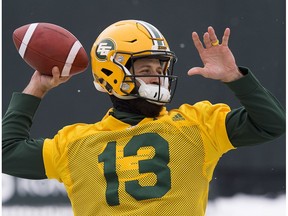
[113, 54]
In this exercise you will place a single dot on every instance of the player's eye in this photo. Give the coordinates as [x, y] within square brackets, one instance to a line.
[145, 71]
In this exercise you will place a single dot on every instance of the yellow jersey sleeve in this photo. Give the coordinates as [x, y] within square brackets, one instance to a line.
[55, 151]
[211, 120]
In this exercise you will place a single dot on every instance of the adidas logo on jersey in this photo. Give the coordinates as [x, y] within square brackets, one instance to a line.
[178, 117]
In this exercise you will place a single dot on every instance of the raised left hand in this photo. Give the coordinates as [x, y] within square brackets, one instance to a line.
[219, 62]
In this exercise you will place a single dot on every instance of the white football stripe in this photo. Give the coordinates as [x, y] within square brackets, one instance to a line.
[27, 38]
[70, 58]
[154, 32]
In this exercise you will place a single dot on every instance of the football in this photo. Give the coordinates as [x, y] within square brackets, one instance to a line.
[45, 45]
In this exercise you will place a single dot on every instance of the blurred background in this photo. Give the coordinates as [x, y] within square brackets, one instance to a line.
[257, 41]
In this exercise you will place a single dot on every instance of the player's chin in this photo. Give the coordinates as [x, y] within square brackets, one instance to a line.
[138, 106]
[147, 108]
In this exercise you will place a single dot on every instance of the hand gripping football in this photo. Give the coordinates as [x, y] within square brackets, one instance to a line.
[45, 45]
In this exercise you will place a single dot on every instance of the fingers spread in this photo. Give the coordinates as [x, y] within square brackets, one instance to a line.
[207, 40]
[212, 35]
[210, 39]
[226, 36]
[197, 42]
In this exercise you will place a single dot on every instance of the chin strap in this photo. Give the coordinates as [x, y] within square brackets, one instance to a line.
[154, 93]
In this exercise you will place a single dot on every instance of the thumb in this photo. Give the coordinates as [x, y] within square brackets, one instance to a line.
[195, 71]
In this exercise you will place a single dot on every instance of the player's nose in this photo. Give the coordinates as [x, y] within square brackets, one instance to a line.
[154, 80]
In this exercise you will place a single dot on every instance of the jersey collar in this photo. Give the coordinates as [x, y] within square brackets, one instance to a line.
[131, 118]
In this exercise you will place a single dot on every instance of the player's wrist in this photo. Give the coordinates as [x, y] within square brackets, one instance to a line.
[35, 91]
[235, 75]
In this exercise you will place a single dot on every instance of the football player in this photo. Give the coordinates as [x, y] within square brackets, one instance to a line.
[141, 158]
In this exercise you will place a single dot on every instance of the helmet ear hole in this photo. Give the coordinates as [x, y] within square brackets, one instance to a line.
[106, 71]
